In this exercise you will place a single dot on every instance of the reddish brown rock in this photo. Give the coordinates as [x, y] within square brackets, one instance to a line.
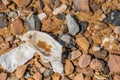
[3, 76]
[20, 71]
[22, 3]
[84, 61]
[114, 63]
[116, 77]
[82, 5]
[17, 27]
[69, 68]
[37, 76]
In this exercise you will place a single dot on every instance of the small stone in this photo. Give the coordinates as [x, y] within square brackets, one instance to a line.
[41, 4]
[61, 16]
[79, 77]
[101, 54]
[87, 78]
[12, 14]
[56, 76]
[5, 46]
[101, 25]
[3, 20]
[96, 48]
[65, 78]
[1, 39]
[17, 27]
[82, 5]
[14, 78]
[20, 71]
[74, 54]
[83, 26]
[22, 3]
[69, 68]
[41, 16]
[97, 64]
[117, 30]
[48, 73]
[82, 42]
[3, 76]
[60, 9]
[114, 63]
[84, 61]
[65, 2]
[116, 77]
[48, 78]
[37, 76]
[73, 27]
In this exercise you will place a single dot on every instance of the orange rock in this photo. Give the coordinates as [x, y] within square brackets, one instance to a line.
[56, 76]
[5, 46]
[79, 77]
[37, 76]
[22, 3]
[3, 76]
[17, 27]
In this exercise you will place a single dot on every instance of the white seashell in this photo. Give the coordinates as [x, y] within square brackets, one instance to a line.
[60, 9]
[16, 57]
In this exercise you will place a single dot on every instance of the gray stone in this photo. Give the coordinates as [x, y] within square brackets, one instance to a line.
[3, 20]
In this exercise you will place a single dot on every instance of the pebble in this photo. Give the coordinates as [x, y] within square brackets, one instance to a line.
[83, 26]
[82, 40]
[79, 76]
[60, 9]
[117, 30]
[56, 76]
[74, 54]
[101, 25]
[116, 77]
[22, 3]
[114, 63]
[14, 78]
[37, 76]
[20, 71]
[81, 5]
[3, 20]
[97, 64]
[84, 61]
[12, 14]
[102, 54]
[41, 4]
[69, 68]
[61, 16]
[41, 16]
[96, 48]
[5, 2]
[5, 46]
[1, 39]
[3, 76]
[17, 27]
[48, 72]
[113, 17]
[73, 27]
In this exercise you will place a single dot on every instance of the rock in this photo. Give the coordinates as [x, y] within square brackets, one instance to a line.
[66, 2]
[22, 3]
[116, 77]
[3, 20]
[83, 26]
[82, 42]
[12, 14]
[60, 9]
[114, 63]
[79, 77]
[73, 27]
[1, 39]
[101, 25]
[97, 64]
[87, 78]
[84, 61]
[41, 4]
[14, 78]
[101, 54]
[48, 73]
[117, 30]
[17, 27]
[3, 76]
[113, 17]
[5, 2]
[5, 46]
[20, 71]
[48, 78]
[65, 78]
[82, 5]
[96, 48]
[56, 76]
[69, 68]
[37, 76]
[74, 54]
[61, 16]
[41, 16]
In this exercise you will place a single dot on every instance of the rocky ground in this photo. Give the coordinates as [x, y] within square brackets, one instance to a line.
[88, 30]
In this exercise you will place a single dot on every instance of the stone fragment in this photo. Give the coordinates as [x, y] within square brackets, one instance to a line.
[60, 9]
[73, 27]
[69, 68]
[22, 3]
[101, 54]
[20, 71]
[82, 5]
[12, 14]
[1, 39]
[116, 77]
[74, 54]
[114, 63]
[61, 16]
[101, 25]
[56, 76]
[5, 2]
[17, 27]
[117, 30]
[41, 4]
[37, 76]
[82, 42]
[3, 20]
[14, 78]
[48, 73]
[5, 46]
[3, 76]
[83, 26]
[79, 77]
[41, 16]
[84, 61]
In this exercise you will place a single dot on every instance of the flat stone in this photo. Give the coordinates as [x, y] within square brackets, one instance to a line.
[3, 76]
[17, 27]
[69, 68]
[20, 71]
[82, 42]
[14, 78]
[114, 63]
[22, 3]
[37, 76]
[3, 20]
[84, 61]
[73, 27]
